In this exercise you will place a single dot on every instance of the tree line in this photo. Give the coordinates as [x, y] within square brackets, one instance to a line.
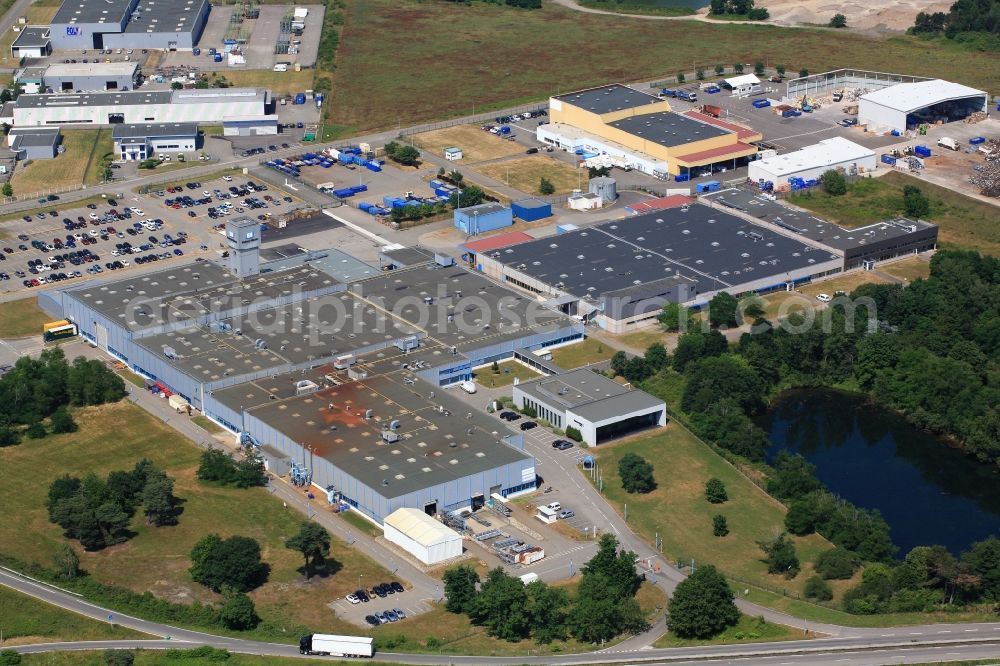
[36, 389]
[603, 607]
[964, 17]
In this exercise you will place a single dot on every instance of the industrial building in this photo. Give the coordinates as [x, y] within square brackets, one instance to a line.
[86, 77]
[632, 129]
[906, 105]
[743, 85]
[129, 24]
[422, 536]
[32, 42]
[252, 125]
[599, 408]
[34, 143]
[339, 381]
[844, 79]
[475, 220]
[147, 140]
[531, 210]
[136, 107]
[861, 247]
[813, 161]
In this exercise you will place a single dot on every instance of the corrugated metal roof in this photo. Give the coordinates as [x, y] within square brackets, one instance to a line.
[420, 527]
[496, 242]
[908, 97]
[744, 80]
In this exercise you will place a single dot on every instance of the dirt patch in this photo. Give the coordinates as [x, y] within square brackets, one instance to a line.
[889, 15]
[477, 145]
[525, 174]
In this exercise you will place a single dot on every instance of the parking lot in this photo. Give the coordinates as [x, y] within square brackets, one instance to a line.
[372, 605]
[54, 245]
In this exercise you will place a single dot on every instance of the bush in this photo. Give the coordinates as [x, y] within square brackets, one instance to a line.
[719, 69]
[720, 527]
[680, 77]
[205, 653]
[545, 186]
[818, 589]
[838, 21]
[715, 491]
[529, 411]
[915, 202]
[574, 434]
[238, 612]
[35, 431]
[62, 422]
[834, 183]
[9, 658]
[837, 564]
[636, 474]
[119, 657]
[228, 563]
[781, 557]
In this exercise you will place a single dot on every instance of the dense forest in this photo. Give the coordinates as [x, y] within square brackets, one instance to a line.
[965, 16]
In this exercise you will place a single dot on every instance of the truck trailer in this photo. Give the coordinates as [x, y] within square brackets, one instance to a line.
[337, 646]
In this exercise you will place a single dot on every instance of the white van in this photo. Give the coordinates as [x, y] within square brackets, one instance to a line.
[554, 506]
[468, 387]
[281, 67]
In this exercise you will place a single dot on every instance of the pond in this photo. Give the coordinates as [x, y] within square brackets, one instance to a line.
[926, 491]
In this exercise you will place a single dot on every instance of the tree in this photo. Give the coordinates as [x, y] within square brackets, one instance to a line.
[250, 470]
[67, 562]
[176, 85]
[758, 68]
[472, 195]
[675, 317]
[702, 605]
[716, 379]
[5, 96]
[715, 491]
[313, 542]
[403, 154]
[833, 183]
[9, 658]
[695, 345]
[36, 431]
[738, 68]
[636, 474]
[680, 77]
[618, 363]
[780, 69]
[915, 202]
[545, 186]
[546, 608]
[803, 73]
[794, 477]
[719, 69]
[8, 436]
[460, 589]
[159, 503]
[717, 7]
[723, 310]
[720, 527]
[837, 564]
[780, 556]
[234, 562]
[456, 177]
[656, 357]
[605, 604]
[495, 368]
[838, 21]
[818, 589]
[8, 189]
[501, 606]
[699, 74]
[238, 612]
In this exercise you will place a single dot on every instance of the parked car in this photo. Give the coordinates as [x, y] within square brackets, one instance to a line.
[353, 599]
[566, 513]
[397, 586]
[528, 425]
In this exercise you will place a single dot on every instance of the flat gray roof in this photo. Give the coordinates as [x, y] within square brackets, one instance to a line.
[35, 72]
[153, 130]
[187, 291]
[489, 207]
[91, 11]
[441, 438]
[589, 394]
[331, 261]
[809, 226]
[165, 16]
[407, 256]
[64, 69]
[482, 311]
[607, 99]
[697, 243]
[45, 136]
[32, 35]
[668, 129]
[142, 97]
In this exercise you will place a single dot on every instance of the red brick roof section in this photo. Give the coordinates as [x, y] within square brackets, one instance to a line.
[496, 242]
[742, 132]
[672, 201]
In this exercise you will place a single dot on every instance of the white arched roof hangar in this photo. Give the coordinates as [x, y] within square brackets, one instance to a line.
[895, 107]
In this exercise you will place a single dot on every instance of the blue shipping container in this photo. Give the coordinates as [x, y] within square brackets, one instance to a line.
[922, 151]
[531, 210]
[888, 159]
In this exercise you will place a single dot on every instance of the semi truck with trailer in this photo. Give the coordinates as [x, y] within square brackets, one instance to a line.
[336, 646]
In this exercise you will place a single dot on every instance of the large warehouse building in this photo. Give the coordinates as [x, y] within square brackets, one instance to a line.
[136, 107]
[906, 105]
[84, 77]
[129, 24]
[641, 131]
[339, 380]
[813, 161]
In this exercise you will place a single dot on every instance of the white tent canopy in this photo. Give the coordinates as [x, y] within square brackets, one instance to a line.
[888, 108]
[742, 80]
[422, 536]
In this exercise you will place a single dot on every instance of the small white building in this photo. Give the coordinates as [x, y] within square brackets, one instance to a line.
[585, 201]
[908, 104]
[422, 536]
[745, 84]
[453, 154]
[143, 141]
[812, 161]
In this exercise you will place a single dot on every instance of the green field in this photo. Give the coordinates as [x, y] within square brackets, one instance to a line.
[446, 59]
[103, 145]
[27, 620]
[648, 7]
[67, 170]
[21, 318]
[164, 658]
[678, 511]
[964, 222]
[207, 424]
[509, 370]
[748, 630]
[581, 353]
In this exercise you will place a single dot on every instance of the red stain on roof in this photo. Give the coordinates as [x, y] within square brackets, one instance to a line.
[742, 133]
[717, 152]
[672, 201]
[495, 242]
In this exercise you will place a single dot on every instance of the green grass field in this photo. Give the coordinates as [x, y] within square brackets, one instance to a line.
[677, 509]
[103, 145]
[748, 630]
[21, 318]
[207, 424]
[163, 658]
[648, 7]
[27, 620]
[582, 353]
[508, 371]
[67, 170]
[445, 59]
[964, 222]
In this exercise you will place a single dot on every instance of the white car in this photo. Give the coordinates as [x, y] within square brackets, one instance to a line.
[353, 599]
[206, 193]
[125, 263]
[93, 216]
[228, 179]
[824, 298]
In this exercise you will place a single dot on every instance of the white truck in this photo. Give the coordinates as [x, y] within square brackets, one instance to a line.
[468, 387]
[337, 646]
[948, 142]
